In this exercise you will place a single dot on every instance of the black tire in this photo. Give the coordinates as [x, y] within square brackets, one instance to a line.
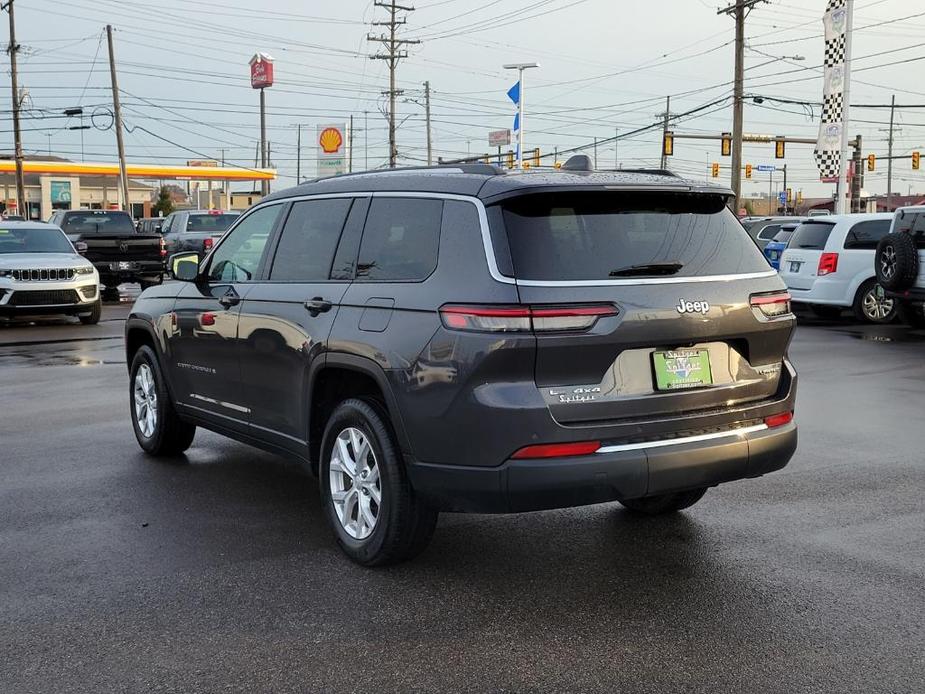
[94, 316]
[896, 261]
[404, 524]
[912, 314]
[145, 284]
[170, 435]
[664, 503]
[827, 312]
[870, 304]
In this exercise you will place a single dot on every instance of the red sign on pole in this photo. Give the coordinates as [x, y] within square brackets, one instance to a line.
[261, 71]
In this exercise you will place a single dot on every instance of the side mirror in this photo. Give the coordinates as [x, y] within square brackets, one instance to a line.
[184, 266]
[81, 247]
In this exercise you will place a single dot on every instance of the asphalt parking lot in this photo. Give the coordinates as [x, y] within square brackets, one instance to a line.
[118, 573]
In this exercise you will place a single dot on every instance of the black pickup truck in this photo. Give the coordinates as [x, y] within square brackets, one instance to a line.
[115, 248]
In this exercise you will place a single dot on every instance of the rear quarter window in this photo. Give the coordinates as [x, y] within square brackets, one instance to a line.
[864, 236]
[913, 223]
[574, 236]
[400, 240]
[811, 236]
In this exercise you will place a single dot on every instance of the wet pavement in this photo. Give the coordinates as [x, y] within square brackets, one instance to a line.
[118, 573]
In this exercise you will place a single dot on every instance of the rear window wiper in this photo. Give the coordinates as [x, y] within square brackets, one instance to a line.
[669, 268]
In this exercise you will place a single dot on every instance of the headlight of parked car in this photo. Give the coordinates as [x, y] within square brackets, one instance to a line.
[84, 270]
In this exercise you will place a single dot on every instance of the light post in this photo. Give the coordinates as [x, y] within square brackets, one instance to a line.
[520, 67]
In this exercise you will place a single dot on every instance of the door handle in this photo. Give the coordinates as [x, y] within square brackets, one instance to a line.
[318, 305]
[230, 299]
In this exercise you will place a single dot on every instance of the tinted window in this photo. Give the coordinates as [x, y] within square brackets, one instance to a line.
[598, 236]
[400, 240]
[34, 241]
[769, 232]
[914, 223]
[98, 222]
[811, 235]
[306, 247]
[238, 256]
[210, 222]
[783, 236]
[865, 235]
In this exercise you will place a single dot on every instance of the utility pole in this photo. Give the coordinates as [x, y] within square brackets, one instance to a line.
[430, 144]
[786, 198]
[393, 52]
[665, 117]
[350, 146]
[857, 182]
[366, 140]
[738, 11]
[616, 148]
[298, 154]
[595, 154]
[13, 49]
[116, 107]
[889, 158]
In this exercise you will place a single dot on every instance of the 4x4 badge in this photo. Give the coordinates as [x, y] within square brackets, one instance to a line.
[693, 306]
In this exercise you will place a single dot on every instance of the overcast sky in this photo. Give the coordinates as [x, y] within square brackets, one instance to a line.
[605, 68]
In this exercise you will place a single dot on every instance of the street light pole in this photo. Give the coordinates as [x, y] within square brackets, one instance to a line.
[520, 67]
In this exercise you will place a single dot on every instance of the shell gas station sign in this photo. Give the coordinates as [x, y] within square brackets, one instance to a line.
[333, 149]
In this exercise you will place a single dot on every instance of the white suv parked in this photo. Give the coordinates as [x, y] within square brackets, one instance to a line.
[900, 262]
[829, 266]
[42, 273]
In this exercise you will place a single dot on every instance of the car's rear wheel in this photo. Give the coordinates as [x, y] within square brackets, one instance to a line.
[376, 516]
[873, 305]
[158, 428]
[664, 503]
[93, 317]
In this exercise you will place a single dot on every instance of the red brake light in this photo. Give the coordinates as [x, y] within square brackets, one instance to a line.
[557, 450]
[207, 243]
[779, 420]
[771, 305]
[207, 318]
[215, 212]
[828, 263]
[524, 318]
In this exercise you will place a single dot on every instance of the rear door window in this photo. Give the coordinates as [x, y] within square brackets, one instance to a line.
[769, 232]
[811, 236]
[309, 239]
[575, 236]
[401, 239]
[783, 236]
[913, 223]
[864, 236]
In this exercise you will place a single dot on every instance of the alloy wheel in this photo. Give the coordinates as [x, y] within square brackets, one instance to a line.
[145, 395]
[888, 262]
[877, 305]
[356, 488]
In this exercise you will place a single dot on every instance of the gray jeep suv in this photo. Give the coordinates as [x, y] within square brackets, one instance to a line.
[464, 339]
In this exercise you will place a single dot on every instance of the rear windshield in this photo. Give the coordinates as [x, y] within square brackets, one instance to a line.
[783, 236]
[611, 235]
[811, 235]
[210, 222]
[98, 222]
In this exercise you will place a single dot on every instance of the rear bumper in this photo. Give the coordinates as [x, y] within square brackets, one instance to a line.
[612, 473]
[823, 293]
[138, 268]
[913, 294]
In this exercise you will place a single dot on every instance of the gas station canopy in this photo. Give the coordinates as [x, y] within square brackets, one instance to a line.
[158, 171]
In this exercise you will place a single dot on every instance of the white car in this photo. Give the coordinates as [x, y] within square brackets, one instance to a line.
[42, 273]
[829, 265]
[900, 263]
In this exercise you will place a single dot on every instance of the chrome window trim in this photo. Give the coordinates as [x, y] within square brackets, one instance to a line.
[490, 252]
[681, 441]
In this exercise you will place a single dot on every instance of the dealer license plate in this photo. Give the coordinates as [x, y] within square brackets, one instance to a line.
[682, 368]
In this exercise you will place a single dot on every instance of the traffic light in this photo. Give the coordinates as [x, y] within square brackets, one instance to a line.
[668, 143]
[871, 162]
[510, 160]
[915, 161]
[726, 148]
[799, 197]
[714, 169]
[789, 195]
[557, 165]
[779, 149]
[748, 171]
[536, 156]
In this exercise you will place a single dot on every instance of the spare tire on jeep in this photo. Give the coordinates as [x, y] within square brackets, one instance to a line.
[897, 261]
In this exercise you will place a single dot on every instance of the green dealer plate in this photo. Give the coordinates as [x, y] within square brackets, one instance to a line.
[682, 368]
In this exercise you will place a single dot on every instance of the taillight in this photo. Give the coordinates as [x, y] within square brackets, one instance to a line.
[163, 248]
[207, 243]
[828, 263]
[779, 420]
[557, 450]
[771, 305]
[524, 318]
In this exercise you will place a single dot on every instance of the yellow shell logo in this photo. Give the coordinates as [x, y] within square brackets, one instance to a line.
[330, 140]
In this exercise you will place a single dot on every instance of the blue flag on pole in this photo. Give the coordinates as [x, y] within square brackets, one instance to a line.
[516, 122]
[514, 93]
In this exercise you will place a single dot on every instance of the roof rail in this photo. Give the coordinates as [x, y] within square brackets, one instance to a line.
[470, 168]
[652, 172]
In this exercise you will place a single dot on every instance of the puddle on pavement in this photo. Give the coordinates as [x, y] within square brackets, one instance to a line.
[897, 335]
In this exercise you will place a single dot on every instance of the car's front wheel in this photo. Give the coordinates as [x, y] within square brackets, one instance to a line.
[158, 428]
[873, 305]
[665, 503]
[93, 317]
[376, 516]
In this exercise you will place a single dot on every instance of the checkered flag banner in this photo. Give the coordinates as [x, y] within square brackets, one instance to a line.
[828, 145]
